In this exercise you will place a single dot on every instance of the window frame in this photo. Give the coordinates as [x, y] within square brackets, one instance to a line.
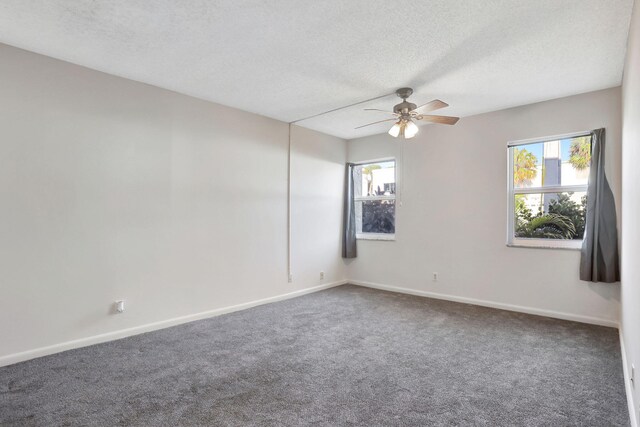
[380, 236]
[521, 242]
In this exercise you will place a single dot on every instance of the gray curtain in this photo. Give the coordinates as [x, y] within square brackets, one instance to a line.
[349, 249]
[599, 260]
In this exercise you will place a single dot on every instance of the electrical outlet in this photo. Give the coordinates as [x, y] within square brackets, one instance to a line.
[435, 276]
[119, 306]
[322, 275]
[290, 278]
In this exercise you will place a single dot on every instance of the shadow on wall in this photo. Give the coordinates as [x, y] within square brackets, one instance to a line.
[607, 291]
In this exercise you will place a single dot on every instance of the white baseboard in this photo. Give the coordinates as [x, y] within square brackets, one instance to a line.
[492, 304]
[627, 383]
[110, 336]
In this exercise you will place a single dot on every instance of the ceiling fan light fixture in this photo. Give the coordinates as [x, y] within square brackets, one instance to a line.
[410, 130]
[404, 128]
[395, 129]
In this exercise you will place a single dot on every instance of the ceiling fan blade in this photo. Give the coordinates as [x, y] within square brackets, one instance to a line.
[443, 120]
[381, 121]
[436, 104]
[384, 111]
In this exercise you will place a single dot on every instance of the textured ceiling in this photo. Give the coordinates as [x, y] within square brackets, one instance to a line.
[289, 59]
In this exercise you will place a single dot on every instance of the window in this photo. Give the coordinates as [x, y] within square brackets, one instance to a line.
[548, 181]
[374, 186]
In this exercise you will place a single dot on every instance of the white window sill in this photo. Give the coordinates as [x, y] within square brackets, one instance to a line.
[376, 236]
[572, 245]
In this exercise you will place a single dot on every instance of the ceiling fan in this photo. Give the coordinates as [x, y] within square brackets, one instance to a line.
[406, 112]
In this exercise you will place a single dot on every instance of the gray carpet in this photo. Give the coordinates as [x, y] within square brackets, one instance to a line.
[344, 356]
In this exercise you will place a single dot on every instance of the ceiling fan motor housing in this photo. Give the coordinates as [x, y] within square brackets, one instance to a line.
[405, 106]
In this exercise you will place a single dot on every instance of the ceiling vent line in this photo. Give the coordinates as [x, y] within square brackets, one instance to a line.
[342, 108]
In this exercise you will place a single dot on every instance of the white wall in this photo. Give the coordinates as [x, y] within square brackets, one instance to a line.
[453, 218]
[317, 183]
[630, 323]
[112, 189]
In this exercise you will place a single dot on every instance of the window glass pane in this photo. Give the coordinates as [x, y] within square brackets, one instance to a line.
[575, 159]
[375, 179]
[550, 215]
[552, 163]
[527, 165]
[375, 216]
